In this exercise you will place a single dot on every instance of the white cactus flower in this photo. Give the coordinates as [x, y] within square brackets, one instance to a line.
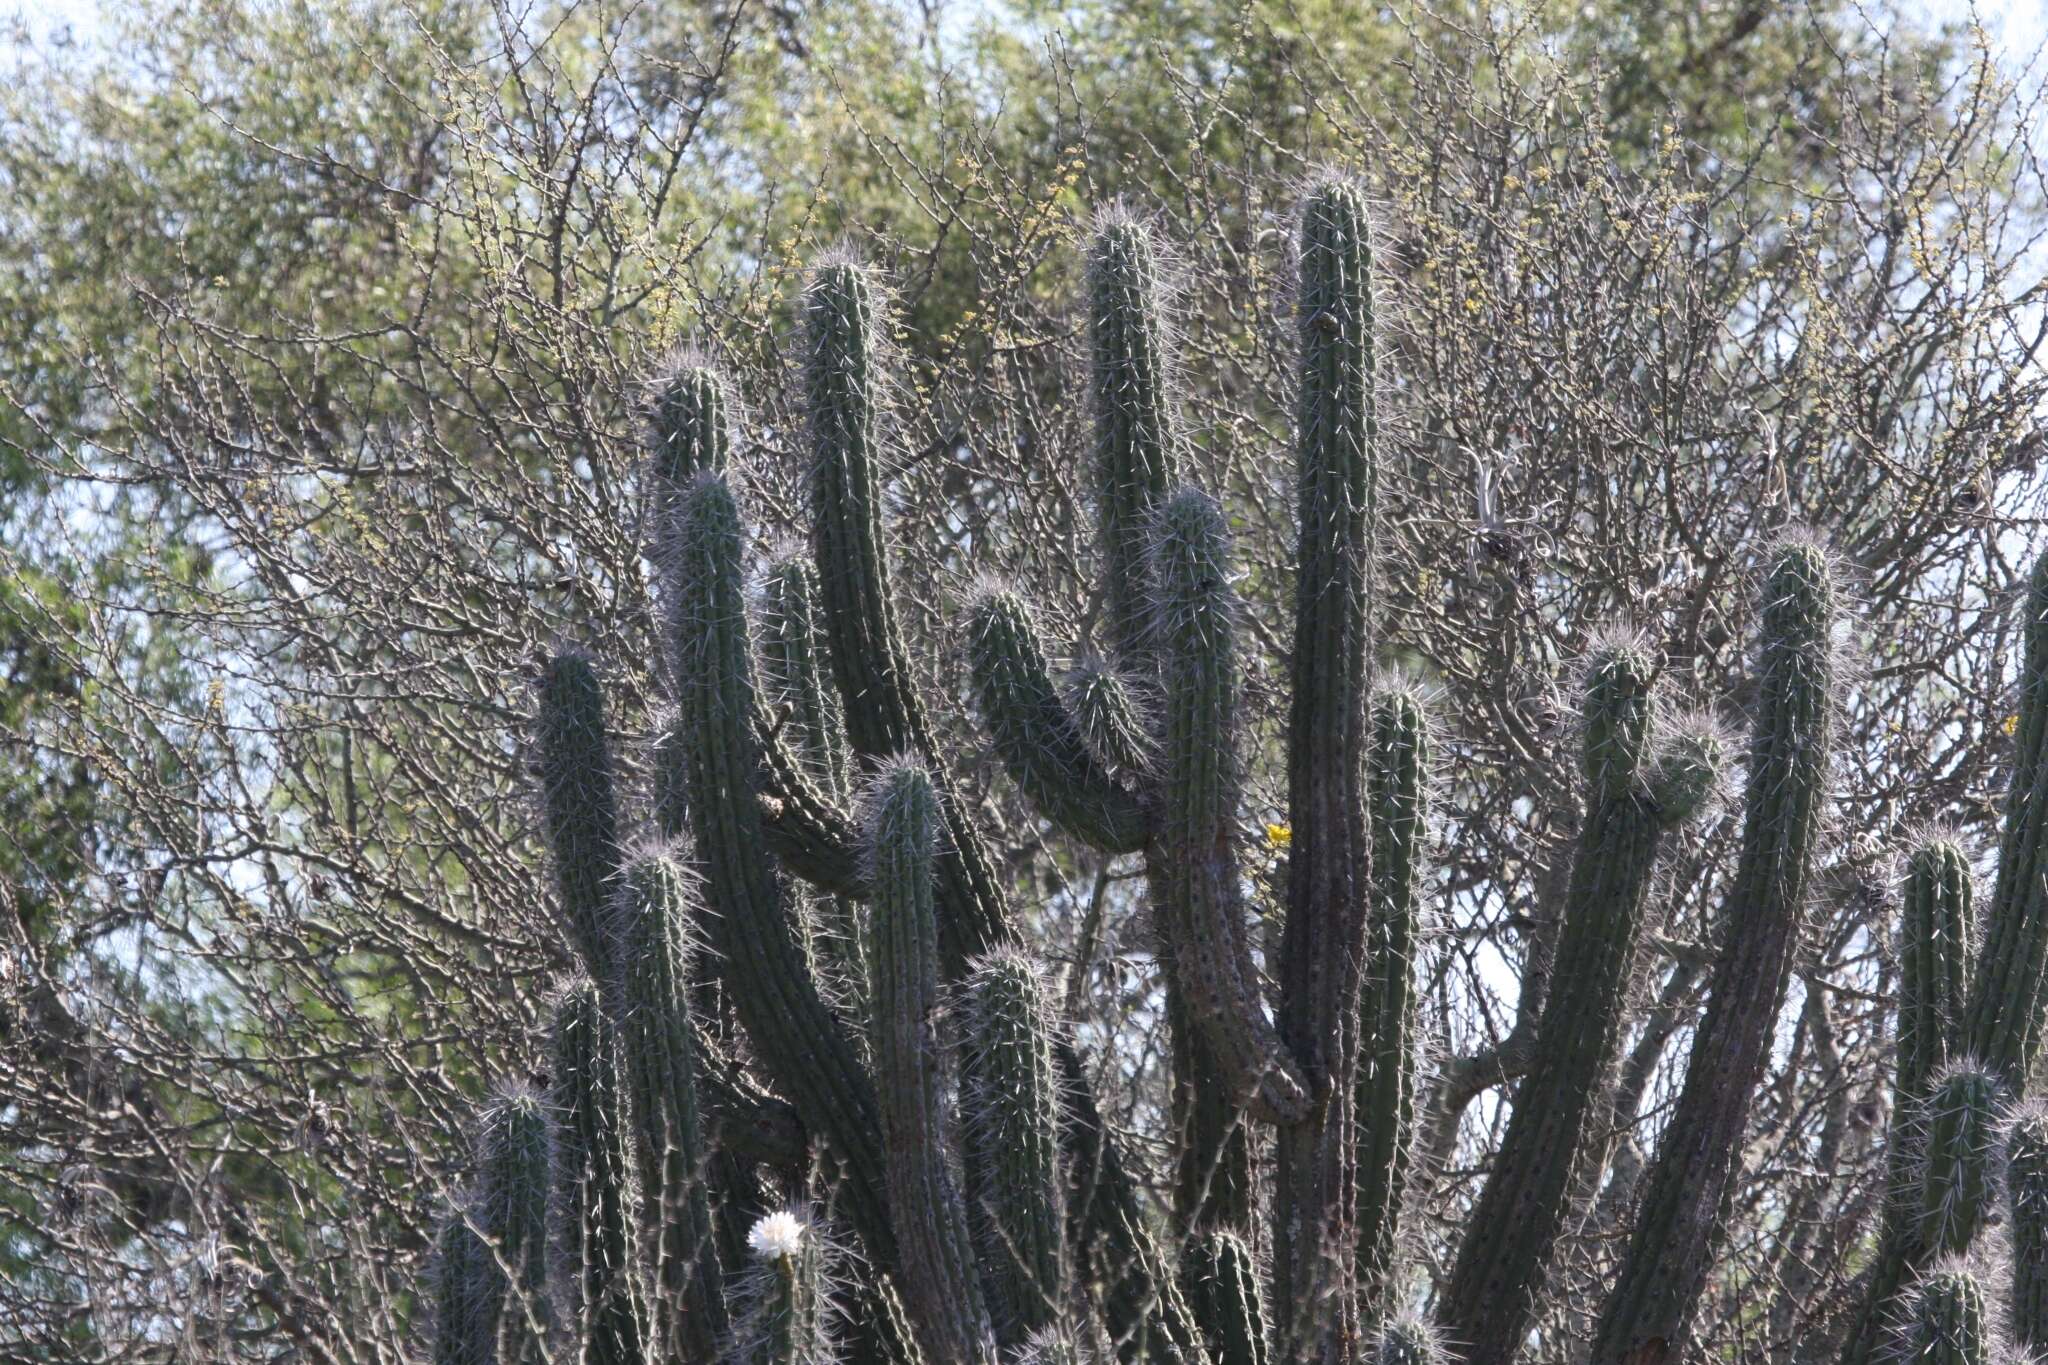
[776, 1237]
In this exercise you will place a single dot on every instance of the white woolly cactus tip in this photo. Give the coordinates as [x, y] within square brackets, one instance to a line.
[777, 1237]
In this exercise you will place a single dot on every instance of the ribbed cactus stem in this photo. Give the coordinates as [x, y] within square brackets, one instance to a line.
[2026, 1182]
[1959, 1126]
[692, 422]
[1112, 722]
[578, 804]
[468, 1288]
[515, 1166]
[594, 1185]
[656, 914]
[1137, 455]
[1221, 1280]
[803, 1045]
[786, 1319]
[939, 1281]
[1196, 866]
[1490, 1303]
[1646, 1316]
[1329, 863]
[2011, 989]
[1945, 1322]
[1398, 789]
[1409, 1341]
[1010, 1117]
[1039, 740]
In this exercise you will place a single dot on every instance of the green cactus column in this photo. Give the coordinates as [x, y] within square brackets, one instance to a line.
[1399, 792]
[1221, 1279]
[1409, 1341]
[467, 1289]
[578, 805]
[941, 1288]
[657, 909]
[593, 1184]
[1945, 1322]
[691, 417]
[1636, 789]
[2011, 988]
[516, 1157]
[1646, 1317]
[803, 1045]
[1959, 1140]
[785, 1317]
[2026, 1183]
[1010, 1116]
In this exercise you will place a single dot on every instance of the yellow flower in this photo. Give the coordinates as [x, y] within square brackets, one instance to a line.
[2012, 723]
[1279, 836]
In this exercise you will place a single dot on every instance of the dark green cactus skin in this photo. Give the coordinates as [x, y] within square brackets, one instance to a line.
[1111, 724]
[1960, 1140]
[801, 1042]
[593, 1184]
[2026, 1183]
[1197, 869]
[579, 807]
[792, 646]
[1040, 742]
[692, 423]
[656, 910]
[2011, 989]
[1934, 943]
[1399, 793]
[468, 1288]
[1408, 1341]
[1945, 1321]
[1645, 1318]
[515, 1159]
[1010, 1120]
[942, 1290]
[1221, 1280]
[1137, 447]
[1329, 866]
[1490, 1302]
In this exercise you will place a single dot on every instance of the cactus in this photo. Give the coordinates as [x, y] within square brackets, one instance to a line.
[656, 909]
[1960, 1137]
[1646, 1314]
[1409, 1341]
[467, 1288]
[787, 1318]
[1945, 1322]
[1010, 1117]
[1638, 785]
[578, 804]
[2026, 1178]
[1221, 1280]
[938, 1255]
[516, 1156]
[593, 1184]
[1398, 792]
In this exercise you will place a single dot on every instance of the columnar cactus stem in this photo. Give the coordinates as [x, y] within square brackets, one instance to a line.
[791, 650]
[786, 1319]
[802, 1043]
[578, 805]
[1329, 864]
[1399, 794]
[1945, 1322]
[2026, 1178]
[1409, 1341]
[1221, 1279]
[468, 1288]
[515, 1161]
[1110, 720]
[942, 1291]
[656, 910]
[1646, 1317]
[593, 1183]
[1011, 1123]
[1960, 1139]
[1198, 868]
[1636, 789]
[2011, 989]
[692, 423]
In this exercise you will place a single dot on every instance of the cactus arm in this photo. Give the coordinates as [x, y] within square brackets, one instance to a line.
[1037, 737]
[1221, 1281]
[1945, 1322]
[1136, 440]
[791, 645]
[1646, 1315]
[468, 1289]
[785, 1317]
[1196, 862]
[1399, 793]
[2011, 989]
[1010, 1112]
[1490, 1303]
[1959, 1138]
[515, 1157]
[805, 1047]
[691, 421]
[579, 807]
[806, 827]
[2026, 1182]
[594, 1184]
[657, 909]
[942, 1291]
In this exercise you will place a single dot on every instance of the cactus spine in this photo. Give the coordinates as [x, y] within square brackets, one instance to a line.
[516, 1156]
[2026, 1177]
[1646, 1315]
[1490, 1302]
[1945, 1321]
[1010, 1120]
[1221, 1277]
[1409, 1341]
[1960, 1122]
[578, 805]
[593, 1183]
